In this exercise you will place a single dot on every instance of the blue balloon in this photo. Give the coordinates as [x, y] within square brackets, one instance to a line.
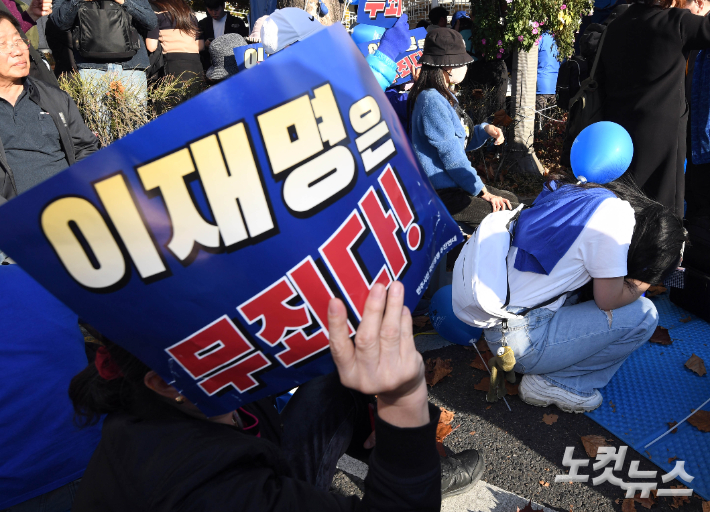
[601, 152]
[441, 314]
[365, 33]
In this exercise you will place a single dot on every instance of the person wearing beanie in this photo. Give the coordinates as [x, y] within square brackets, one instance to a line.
[224, 64]
[442, 132]
[287, 26]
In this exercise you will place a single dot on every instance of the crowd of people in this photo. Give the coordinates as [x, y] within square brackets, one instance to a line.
[579, 263]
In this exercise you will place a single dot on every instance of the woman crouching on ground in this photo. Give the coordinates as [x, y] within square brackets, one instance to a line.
[615, 237]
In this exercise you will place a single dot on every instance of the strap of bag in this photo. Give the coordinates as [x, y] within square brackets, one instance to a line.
[507, 296]
[599, 52]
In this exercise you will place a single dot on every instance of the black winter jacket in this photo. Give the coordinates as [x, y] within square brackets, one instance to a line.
[77, 140]
[161, 460]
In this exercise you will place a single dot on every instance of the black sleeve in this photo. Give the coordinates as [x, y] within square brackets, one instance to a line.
[404, 475]
[694, 30]
[84, 141]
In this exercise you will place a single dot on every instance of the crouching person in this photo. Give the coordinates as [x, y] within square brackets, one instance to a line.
[567, 348]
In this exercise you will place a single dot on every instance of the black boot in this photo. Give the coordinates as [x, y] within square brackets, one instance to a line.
[460, 472]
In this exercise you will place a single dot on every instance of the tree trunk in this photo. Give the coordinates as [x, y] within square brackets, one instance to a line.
[335, 9]
[524, 82]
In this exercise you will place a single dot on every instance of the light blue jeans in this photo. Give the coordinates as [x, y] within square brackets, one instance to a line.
[576, 348]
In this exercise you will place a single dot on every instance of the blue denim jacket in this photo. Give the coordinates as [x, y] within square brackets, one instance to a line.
[438, 137]
[64, 12]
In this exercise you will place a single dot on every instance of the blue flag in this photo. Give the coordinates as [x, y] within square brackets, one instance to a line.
[209, 242]
[407, 61]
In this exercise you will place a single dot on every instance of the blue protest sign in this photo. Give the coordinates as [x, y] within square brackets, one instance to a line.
[382, 13]
[249, 56]
[407, 61]
[209, 242]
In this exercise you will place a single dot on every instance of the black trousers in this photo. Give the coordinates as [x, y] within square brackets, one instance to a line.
[470, 210]
[322, 421]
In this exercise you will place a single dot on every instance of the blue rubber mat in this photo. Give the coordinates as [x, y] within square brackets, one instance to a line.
[653, 387]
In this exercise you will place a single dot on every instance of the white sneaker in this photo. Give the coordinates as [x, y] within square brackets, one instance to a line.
[535, 390]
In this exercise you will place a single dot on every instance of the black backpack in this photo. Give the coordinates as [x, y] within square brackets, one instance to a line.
[103, 31]
[577, 68]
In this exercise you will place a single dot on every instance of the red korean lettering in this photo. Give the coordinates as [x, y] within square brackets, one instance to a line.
[384, 227]
[210, 348]
[403, 211]
[313, 289]
[394, 9]
[240, 376]
[338, 254]
[403, 68]
[277, 317]
[299, 347]
[373, 8]
[414, 60]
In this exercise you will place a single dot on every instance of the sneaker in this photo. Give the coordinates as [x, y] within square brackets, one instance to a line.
[535, 390]
[460, 472]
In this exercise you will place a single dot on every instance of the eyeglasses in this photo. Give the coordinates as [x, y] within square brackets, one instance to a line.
[21, 44]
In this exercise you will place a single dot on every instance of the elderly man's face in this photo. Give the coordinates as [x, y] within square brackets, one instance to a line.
[14, 53]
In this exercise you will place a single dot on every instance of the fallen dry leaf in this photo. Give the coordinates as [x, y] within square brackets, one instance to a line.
[527, 508]
[482, 346]
[478, 364]
[696, 364]
[472, 433]
[489, 407]
[544, 484]
[655, 290]
[686, 319]
[483, 384]
[645, 502]
[512, 388]
[706, 506]
[440, 449]
[446, 417]
[442, 430]
[679, 501]
[501, 118]
[672, 459]
[549, 418]
[628, 506]
[661, 336]
[673, 424]
[701, 421]
[592, 444]
[437, 369]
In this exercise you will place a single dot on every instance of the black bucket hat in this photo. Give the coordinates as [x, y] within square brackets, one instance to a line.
[444, 47]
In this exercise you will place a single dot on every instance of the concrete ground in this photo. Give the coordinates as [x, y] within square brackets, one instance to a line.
[522, 453]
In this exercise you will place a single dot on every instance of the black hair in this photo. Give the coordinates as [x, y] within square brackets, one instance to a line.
[9, 17]
[430, 77]
[437, 13]
[423, 24]
[93, 396]
[214, 4]
[658, 235]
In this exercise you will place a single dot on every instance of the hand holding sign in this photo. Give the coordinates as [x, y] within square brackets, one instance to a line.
[383, 361]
